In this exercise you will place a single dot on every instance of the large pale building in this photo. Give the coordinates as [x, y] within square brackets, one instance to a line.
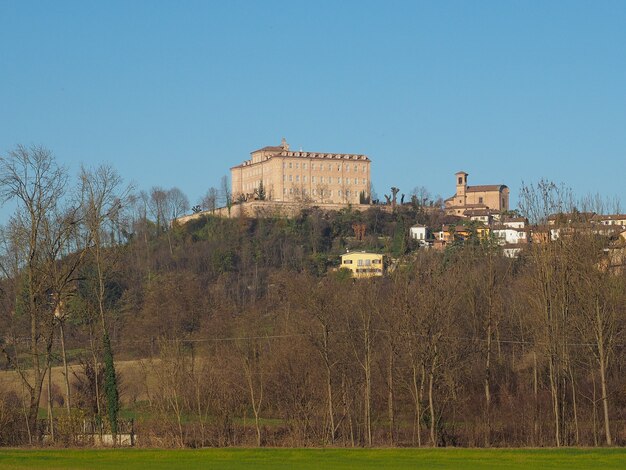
[291, 176]
[469, 199]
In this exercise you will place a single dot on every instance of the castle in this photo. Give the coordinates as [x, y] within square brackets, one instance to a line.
[279, 174]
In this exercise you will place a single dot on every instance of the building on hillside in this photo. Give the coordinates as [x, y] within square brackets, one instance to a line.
[569, 218]
[421, 233]
[363, 264]
[610, 219]
[280, 174]
[484, 216]
[514, 222]
[451, 233]
[506, 235]
[470, 198]
[511, 251]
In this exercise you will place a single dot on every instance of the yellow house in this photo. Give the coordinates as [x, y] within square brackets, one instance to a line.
[363, 264]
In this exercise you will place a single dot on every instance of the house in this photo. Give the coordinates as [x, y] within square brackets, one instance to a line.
[509, 236]
[511, 251]
[611, 219]
[514, 222]
[484, 216]
[421, 233]
[567, 218]
[276, 173]
[492, 197]
[450, 233]
[363, 264]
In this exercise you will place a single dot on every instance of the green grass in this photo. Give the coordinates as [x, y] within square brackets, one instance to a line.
[315, 459]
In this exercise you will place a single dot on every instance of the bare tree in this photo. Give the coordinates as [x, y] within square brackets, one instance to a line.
[32, 178]
[209, 200]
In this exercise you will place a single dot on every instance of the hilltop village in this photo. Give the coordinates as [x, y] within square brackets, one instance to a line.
[279, 182]
[305, 311]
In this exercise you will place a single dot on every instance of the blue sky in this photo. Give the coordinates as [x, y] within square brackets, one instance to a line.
[175, 93]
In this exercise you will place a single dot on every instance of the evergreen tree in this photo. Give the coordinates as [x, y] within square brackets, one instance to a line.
[110, 385]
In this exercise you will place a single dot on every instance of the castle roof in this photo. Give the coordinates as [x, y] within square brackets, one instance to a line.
[270, 148]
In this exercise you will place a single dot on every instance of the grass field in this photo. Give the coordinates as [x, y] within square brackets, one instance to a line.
[316, 459]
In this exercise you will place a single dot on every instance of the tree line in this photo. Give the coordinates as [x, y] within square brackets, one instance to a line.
[243, 332]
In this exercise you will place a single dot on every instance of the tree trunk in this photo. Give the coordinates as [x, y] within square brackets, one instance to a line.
[68, 399]
[390, 399]
[431, 402]
[602, 363]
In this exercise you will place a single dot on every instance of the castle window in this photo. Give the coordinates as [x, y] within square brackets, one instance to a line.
[297, 178]
[460, 180]
[304, 166]
[290, 165]
[480, 200]
[297, 165]
[312, 179]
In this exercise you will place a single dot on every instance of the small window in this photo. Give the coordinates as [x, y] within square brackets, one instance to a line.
[297, 178]
[460, 180]
[312, 179]
[480, 200]
[297, 165]
[304, 166]
[347, 261]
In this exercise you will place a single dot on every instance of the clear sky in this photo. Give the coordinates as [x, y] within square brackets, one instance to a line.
[175, 93]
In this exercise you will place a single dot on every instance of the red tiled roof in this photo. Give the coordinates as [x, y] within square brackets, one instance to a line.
[485, 187]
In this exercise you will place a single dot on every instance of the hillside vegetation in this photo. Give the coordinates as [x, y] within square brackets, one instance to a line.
[241, 332]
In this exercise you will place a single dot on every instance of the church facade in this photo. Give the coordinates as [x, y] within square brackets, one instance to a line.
[471, 200]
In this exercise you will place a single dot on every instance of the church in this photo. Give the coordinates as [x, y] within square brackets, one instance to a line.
[472, 200]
